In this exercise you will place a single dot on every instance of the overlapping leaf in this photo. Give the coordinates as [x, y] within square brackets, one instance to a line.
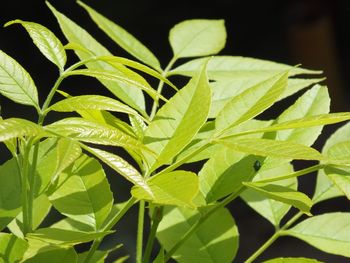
[14, 128]
[94, 132]
[76, 34]
[12, 248]
[78, 193]
[208, 246]
[175, 188]
[228, 67]
[283, 194]
[123, 38]
[177, 122]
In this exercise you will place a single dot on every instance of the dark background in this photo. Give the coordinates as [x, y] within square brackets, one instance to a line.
[313, 33]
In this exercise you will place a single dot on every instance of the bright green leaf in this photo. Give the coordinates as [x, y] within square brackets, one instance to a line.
[228, 67]
[76, 34]
[94, 132]
[16, 83]
[174, 188]
[250, 102]
[197, 37]
[46, 41]
[325, 188]
[283, 194]
[58, 236]
[123, 38]
[41, 208]
[328, 232]
[12, 248]
[78, 193]
[98, 257]
[121, 166]
[119, 78]
[270, 209]
[91, 102]
[292, 260]
[178, 121]
[340, 176]
[13, 128]
[273, 148]
[218, 245]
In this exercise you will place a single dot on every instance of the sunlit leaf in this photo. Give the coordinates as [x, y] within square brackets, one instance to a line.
[197, 37]
[328, 232]
[227, 67]
[273, 148]
[94, 132]
[75, 34]
[78, 193]
[54, 255]
[177, 122]
[58, 236]
[250, 102]
[13, 128]
[325, 188]
[123, 38]
[283, 194]
[12, 248]
[292, 260]
[46, 41]
[218, 245]
[174, 188]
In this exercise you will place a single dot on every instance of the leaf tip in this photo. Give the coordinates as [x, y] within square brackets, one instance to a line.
[9, 23]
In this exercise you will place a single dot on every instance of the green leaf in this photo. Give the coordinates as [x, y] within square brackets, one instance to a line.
[49, 45]
[58, 236]
[325, 188]
[219, 245]
[178, 121]
[136, 65]
[174, 188]
[292, 260]
[340, 152]
[197, 37]
[340, 177]
[75, 34]
[54, 255]
[129, 78]
[123, 38]
[309, 121]
[41, 208]
[94, 132]
[228, 67]
[270, 209]
[250, 102]
[91, 102]
[78, 194]
[328, 232]
[12, 248]
[283, 194]
[121, 166]
[273, 148]
[16, 128]
[10, 192]
[71, 224]
[16, 83]
[224, 90]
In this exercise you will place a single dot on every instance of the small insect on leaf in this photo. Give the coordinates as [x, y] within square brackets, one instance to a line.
[257, 165]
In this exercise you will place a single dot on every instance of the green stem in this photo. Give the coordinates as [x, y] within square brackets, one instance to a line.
[24, 191]
[109, 226]
[160, 87]
[273, 238]
[139, 239]
[200, 222]
[292, 175]
[156, 218]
